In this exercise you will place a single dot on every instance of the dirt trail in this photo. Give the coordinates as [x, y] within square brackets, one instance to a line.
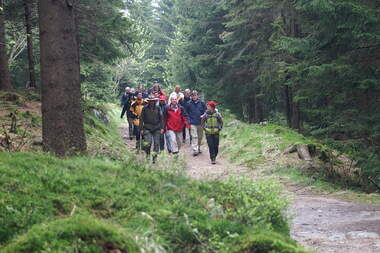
[318, 222]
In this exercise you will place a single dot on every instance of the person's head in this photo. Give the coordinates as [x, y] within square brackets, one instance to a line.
[133, 90]
[211, 105]
[156, 86]
[127, 89]
[195, 95]
[140, 88]
[177, 89]
[187, 93]
[139, 95]
[173, 100]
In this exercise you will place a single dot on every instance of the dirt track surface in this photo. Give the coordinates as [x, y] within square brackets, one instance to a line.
[318, 222]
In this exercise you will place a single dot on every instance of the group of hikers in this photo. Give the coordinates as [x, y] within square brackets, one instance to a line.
[154, 118]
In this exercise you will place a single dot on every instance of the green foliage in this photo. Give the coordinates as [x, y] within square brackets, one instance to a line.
[83, 233]
[314, 62]
[264, 241]
[172, 210]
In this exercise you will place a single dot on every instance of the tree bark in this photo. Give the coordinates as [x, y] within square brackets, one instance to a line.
[288, 102]
[5, 77]
[296, 116]
[29, 37]
[62, 114]
[259, 116]
[251, 108]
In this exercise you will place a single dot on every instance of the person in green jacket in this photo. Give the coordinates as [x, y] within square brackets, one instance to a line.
[212, 124]
[152, 126]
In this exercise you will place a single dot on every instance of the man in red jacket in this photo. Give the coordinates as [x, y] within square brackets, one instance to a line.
[175, 120]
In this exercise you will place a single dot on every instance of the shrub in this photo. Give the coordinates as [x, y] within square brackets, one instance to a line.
[74, 234]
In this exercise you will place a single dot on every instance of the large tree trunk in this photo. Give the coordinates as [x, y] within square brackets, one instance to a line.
[296, 116]
[251, 108]
[29, 37]
[62, 114]
[288, 102]
[5, 78]
[259, 116]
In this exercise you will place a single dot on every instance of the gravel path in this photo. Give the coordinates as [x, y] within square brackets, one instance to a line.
[318, 222]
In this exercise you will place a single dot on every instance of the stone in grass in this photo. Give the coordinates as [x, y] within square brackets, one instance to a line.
[37, 141]
[234, 123]
[101, 116]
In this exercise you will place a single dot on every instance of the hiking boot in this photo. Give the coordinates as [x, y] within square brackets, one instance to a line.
[195, 153]
[199, 151]
[213, 161]
[154, 159]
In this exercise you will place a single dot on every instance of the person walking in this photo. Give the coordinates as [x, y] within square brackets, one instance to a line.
[212, 124]
[124, 98]
[141, 89]
[162, 105]
[175, 120]
[135, 113]
[128, 100]
[152, 125]
[184, 101]
[177, 93]
[195, 108]
[156, 89]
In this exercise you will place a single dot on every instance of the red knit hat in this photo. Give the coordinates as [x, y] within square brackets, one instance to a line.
[212, 103]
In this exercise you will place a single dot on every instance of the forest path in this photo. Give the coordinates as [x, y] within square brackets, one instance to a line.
[320, 223]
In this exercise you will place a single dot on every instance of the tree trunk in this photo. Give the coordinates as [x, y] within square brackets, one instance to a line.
[251, 108]
[62, 114]
[259, 117]
[5, 78]
[29, 37]
[296, 116]
[288, 102]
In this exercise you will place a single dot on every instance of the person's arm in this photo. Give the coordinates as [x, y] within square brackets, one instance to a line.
[204, 107]
[220, 120]
[185, 117]
[142, 117]
[203, 120]
[125, 108]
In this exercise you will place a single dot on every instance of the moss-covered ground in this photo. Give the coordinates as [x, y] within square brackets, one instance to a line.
[107, 202]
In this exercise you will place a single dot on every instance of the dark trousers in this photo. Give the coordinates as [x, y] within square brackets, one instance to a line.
[149, 138]
[213, 145]
[130, 127]
[137, 133]
[162, 142]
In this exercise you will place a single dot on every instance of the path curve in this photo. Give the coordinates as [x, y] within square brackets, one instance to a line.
[318, 222]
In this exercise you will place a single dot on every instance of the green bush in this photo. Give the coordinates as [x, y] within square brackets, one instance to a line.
[263, 242]
[74, 234]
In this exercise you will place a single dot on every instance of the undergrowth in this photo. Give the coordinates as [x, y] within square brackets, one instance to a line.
[260, 147]
[108, 202]
[173, 212]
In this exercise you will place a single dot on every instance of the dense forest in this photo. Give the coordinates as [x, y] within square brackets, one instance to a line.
[310, 65]
[297, 83]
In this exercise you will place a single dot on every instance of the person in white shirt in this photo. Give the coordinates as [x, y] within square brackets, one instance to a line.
[177, 94]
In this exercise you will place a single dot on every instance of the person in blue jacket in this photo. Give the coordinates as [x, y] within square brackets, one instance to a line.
[195, 108]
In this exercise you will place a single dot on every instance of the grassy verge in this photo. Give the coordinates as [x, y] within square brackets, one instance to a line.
[260, 147]
[106, 201]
